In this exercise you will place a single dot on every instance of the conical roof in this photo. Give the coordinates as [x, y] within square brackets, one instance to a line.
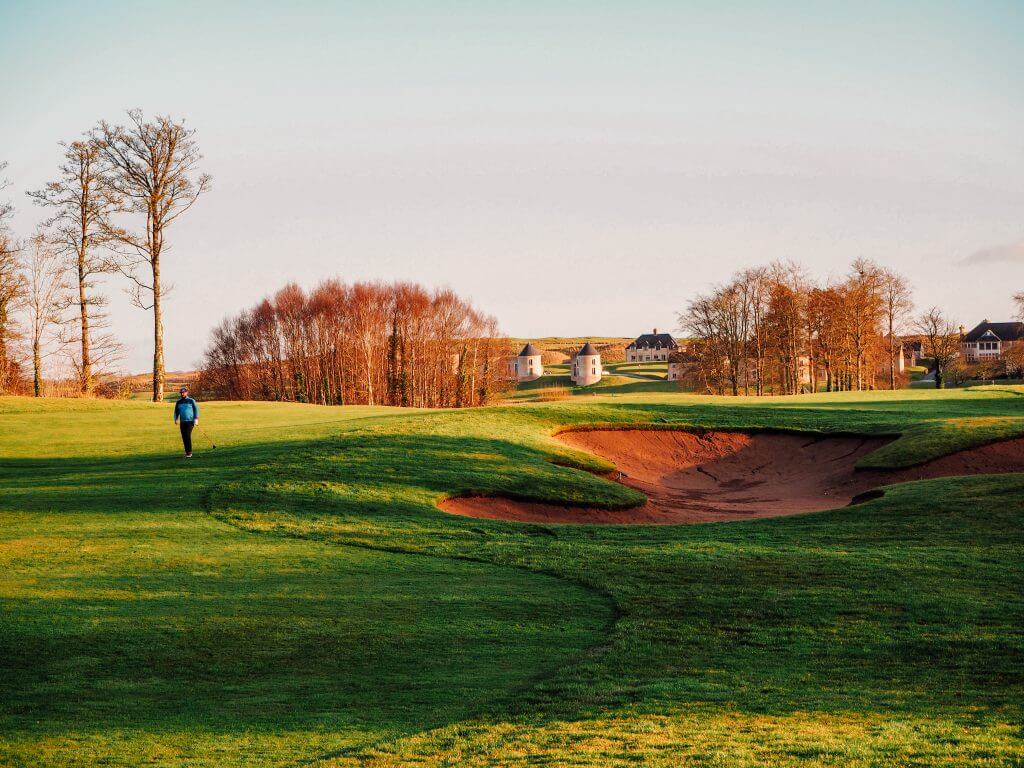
[529, 350]
[588, 349]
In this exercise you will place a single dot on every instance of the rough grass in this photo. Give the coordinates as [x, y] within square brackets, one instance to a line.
[339, 615]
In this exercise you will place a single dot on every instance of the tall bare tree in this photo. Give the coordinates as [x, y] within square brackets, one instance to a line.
[941, 341]
[82, 205]
[152, 165]
[898, 301]
[12, 292]
[46, 300]
[1018, 299]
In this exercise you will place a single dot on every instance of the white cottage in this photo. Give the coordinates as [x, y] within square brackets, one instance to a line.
[586, 366]
[527, 366]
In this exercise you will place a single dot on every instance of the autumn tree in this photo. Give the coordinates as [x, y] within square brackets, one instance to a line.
[772, 328]
[897, 303]
[866, 311]
[367, 343]
[941, 341]
[81, 206]
[152, 166]
[788, 288]
[45, 302]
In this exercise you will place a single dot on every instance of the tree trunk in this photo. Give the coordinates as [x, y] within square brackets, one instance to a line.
[37, 365]
[86, 383]
[158, 335]
[892, 355]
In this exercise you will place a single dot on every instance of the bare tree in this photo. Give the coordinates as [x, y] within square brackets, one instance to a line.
[45, 301]
[82, 206]
[12, 293]
[898, 302]
[1018, 299]
[6, 207]
[152, 165]
[941, 341]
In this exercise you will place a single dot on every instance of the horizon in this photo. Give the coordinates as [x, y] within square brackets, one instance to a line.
[614, 161]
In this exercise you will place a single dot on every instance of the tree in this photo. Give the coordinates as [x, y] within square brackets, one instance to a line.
[941, 341]
[82, 205]
[45, 301]
[897, 301]
[1019, 301]
[6, 207]
[864, 294]
[12, 292]
[152, 165]
[394, 343]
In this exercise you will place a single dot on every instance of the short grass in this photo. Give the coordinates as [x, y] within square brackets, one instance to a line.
[618, 379]
[295, 597]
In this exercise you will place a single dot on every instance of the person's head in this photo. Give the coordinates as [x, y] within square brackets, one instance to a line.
[183, 391]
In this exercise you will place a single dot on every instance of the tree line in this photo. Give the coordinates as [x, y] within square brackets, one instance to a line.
[109, 208]
[366, 343]
[774, 330]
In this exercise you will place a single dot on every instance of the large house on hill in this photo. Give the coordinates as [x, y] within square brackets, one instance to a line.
[651, 346]
[990, 341]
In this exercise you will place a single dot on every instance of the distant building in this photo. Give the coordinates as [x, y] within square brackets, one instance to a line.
[586, 366]
[527, 366]
[913, 351]
[650, 347]
[990, 341]
[680, 363]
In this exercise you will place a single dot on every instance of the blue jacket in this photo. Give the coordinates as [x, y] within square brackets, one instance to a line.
[186, 409]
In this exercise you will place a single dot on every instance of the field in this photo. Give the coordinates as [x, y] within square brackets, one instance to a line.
[296, 598]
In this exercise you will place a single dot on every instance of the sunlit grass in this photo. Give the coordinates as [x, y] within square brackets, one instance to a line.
[296, 595]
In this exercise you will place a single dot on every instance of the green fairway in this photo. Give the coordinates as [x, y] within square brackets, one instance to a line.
[295, 598]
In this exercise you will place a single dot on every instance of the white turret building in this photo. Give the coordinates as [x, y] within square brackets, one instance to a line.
[527, 365]
[586, 366]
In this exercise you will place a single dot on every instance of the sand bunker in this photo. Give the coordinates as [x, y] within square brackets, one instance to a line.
[719, 476]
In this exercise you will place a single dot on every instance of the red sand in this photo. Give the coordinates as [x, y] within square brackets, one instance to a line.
[721, 476]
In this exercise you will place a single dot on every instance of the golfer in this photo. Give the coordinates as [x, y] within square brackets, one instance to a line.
[186, 415]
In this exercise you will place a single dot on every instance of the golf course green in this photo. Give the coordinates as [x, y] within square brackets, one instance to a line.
[295, 597]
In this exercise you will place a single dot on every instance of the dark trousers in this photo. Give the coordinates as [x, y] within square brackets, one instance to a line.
[186, 434]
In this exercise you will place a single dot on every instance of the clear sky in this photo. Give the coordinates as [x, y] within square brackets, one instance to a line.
[575, 168]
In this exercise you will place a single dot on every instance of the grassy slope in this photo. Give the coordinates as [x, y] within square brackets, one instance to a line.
[137, 628]
[880, 635]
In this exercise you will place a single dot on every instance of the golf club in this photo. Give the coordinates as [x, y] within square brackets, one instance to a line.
[207, 436]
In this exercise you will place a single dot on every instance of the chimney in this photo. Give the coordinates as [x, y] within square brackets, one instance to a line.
[963, 332]
[655, 331]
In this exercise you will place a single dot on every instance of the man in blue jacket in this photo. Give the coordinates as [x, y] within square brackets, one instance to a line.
[186, 415]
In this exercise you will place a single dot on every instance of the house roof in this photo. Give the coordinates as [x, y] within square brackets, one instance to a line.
[529, 350]
[1002, 331]
[653, 340]
[588, 349]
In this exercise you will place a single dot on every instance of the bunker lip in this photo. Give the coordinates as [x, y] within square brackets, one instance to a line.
[719, 476]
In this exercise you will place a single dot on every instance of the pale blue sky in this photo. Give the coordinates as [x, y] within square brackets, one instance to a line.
[574, 167]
